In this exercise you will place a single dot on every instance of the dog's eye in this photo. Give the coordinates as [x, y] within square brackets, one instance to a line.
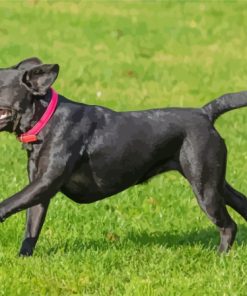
[37, 72]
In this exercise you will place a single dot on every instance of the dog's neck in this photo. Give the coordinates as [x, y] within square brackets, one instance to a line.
[26, 121]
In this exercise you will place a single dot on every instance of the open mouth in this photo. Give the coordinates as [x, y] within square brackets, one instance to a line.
[5, 114]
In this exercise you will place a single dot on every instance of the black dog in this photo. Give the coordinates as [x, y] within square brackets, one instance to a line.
[91, 152]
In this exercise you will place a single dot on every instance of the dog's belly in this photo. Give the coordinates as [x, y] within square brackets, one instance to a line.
[83, 187]
[88, 184]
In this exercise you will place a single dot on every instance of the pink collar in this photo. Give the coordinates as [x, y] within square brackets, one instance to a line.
[31, 135]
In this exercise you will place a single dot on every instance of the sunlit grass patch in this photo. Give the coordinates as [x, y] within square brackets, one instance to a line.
[151, 239]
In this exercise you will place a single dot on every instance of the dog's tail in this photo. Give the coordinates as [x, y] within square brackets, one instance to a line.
[224, 104]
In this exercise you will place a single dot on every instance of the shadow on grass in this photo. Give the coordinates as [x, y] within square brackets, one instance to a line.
[205, 238]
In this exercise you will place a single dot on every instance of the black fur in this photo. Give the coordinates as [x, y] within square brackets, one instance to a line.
[92, 152]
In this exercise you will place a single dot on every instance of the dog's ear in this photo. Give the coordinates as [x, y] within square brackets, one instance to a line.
[27, 64]
[39, 79]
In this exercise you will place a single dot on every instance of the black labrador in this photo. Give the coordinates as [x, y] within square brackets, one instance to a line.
[91, 152]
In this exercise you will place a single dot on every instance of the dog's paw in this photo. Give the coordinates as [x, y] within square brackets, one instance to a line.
[2, 218]
[25, 252]
[27, 247]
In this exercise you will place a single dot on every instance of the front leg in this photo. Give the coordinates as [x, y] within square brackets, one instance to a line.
[35, 219]
[35, 196]
[52, 169]
[39, 191]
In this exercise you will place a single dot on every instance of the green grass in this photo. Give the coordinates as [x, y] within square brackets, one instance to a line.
[151, 239]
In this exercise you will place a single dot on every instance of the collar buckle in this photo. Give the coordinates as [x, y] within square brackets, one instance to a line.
[28, 138]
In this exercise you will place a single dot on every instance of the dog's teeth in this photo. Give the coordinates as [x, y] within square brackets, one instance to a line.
[5, 114]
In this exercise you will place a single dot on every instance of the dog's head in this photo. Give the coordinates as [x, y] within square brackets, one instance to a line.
[19, 85]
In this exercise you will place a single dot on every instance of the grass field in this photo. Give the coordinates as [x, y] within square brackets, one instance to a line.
[151, 239]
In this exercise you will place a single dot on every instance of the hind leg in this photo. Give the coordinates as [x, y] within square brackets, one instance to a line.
[236, 200]
[212, 203]
[204, 167]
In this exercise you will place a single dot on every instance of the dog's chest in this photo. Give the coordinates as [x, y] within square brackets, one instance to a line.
[81, 186]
